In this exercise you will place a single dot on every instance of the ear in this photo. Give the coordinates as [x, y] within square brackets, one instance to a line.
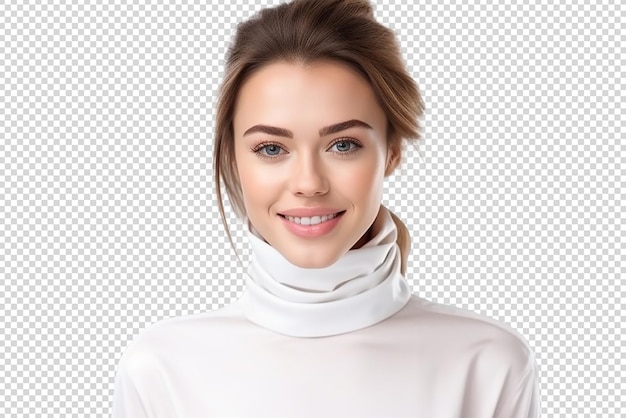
[394, 156]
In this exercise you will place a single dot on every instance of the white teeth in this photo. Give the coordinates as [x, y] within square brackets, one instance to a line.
[314, 220]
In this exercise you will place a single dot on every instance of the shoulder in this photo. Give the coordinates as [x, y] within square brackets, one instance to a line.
[467, 334]
[484, 357]
[162, 353]
[175, 337]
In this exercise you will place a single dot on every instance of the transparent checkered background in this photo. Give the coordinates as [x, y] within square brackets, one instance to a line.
[109, 222]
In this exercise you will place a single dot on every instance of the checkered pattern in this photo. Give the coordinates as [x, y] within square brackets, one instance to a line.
[108, 216]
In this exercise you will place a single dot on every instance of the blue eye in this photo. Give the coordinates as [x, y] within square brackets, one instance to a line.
[271, 150]
[342, 148]
[346, 146]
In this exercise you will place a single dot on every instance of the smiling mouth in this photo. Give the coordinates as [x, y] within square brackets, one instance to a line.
[311, 220]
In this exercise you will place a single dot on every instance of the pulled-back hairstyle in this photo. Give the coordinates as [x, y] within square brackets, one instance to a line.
[305, 31]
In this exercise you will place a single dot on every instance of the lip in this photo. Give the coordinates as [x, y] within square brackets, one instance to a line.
[311, 231]
[310, 211]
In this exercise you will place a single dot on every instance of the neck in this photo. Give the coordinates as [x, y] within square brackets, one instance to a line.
[365, 238]
[363, 287]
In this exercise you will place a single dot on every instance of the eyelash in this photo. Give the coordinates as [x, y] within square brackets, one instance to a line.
[257, 149]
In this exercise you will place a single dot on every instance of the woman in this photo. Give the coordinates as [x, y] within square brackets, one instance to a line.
[312, 112]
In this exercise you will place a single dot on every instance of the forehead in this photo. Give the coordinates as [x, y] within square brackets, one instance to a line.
[297, 94]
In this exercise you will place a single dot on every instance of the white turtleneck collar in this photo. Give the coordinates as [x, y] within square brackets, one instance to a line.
[365, 286]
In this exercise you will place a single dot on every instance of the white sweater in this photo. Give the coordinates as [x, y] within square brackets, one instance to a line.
[349, 340]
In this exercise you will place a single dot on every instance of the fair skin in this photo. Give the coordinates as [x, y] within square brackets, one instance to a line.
[301, 164]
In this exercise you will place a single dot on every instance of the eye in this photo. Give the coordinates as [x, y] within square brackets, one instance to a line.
[267, 150]
[346, 146]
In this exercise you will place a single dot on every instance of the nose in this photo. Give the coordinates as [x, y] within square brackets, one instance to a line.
[308, 177]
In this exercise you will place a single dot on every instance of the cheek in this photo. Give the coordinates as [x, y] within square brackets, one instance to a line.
[258, 184]
[362, 184]
[247, 179]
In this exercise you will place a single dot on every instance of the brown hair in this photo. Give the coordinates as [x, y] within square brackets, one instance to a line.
[306, 31]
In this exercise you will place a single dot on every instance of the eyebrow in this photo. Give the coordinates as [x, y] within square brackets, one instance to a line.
[327, 130]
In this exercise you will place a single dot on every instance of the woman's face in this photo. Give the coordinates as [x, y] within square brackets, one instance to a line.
[310, 137]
